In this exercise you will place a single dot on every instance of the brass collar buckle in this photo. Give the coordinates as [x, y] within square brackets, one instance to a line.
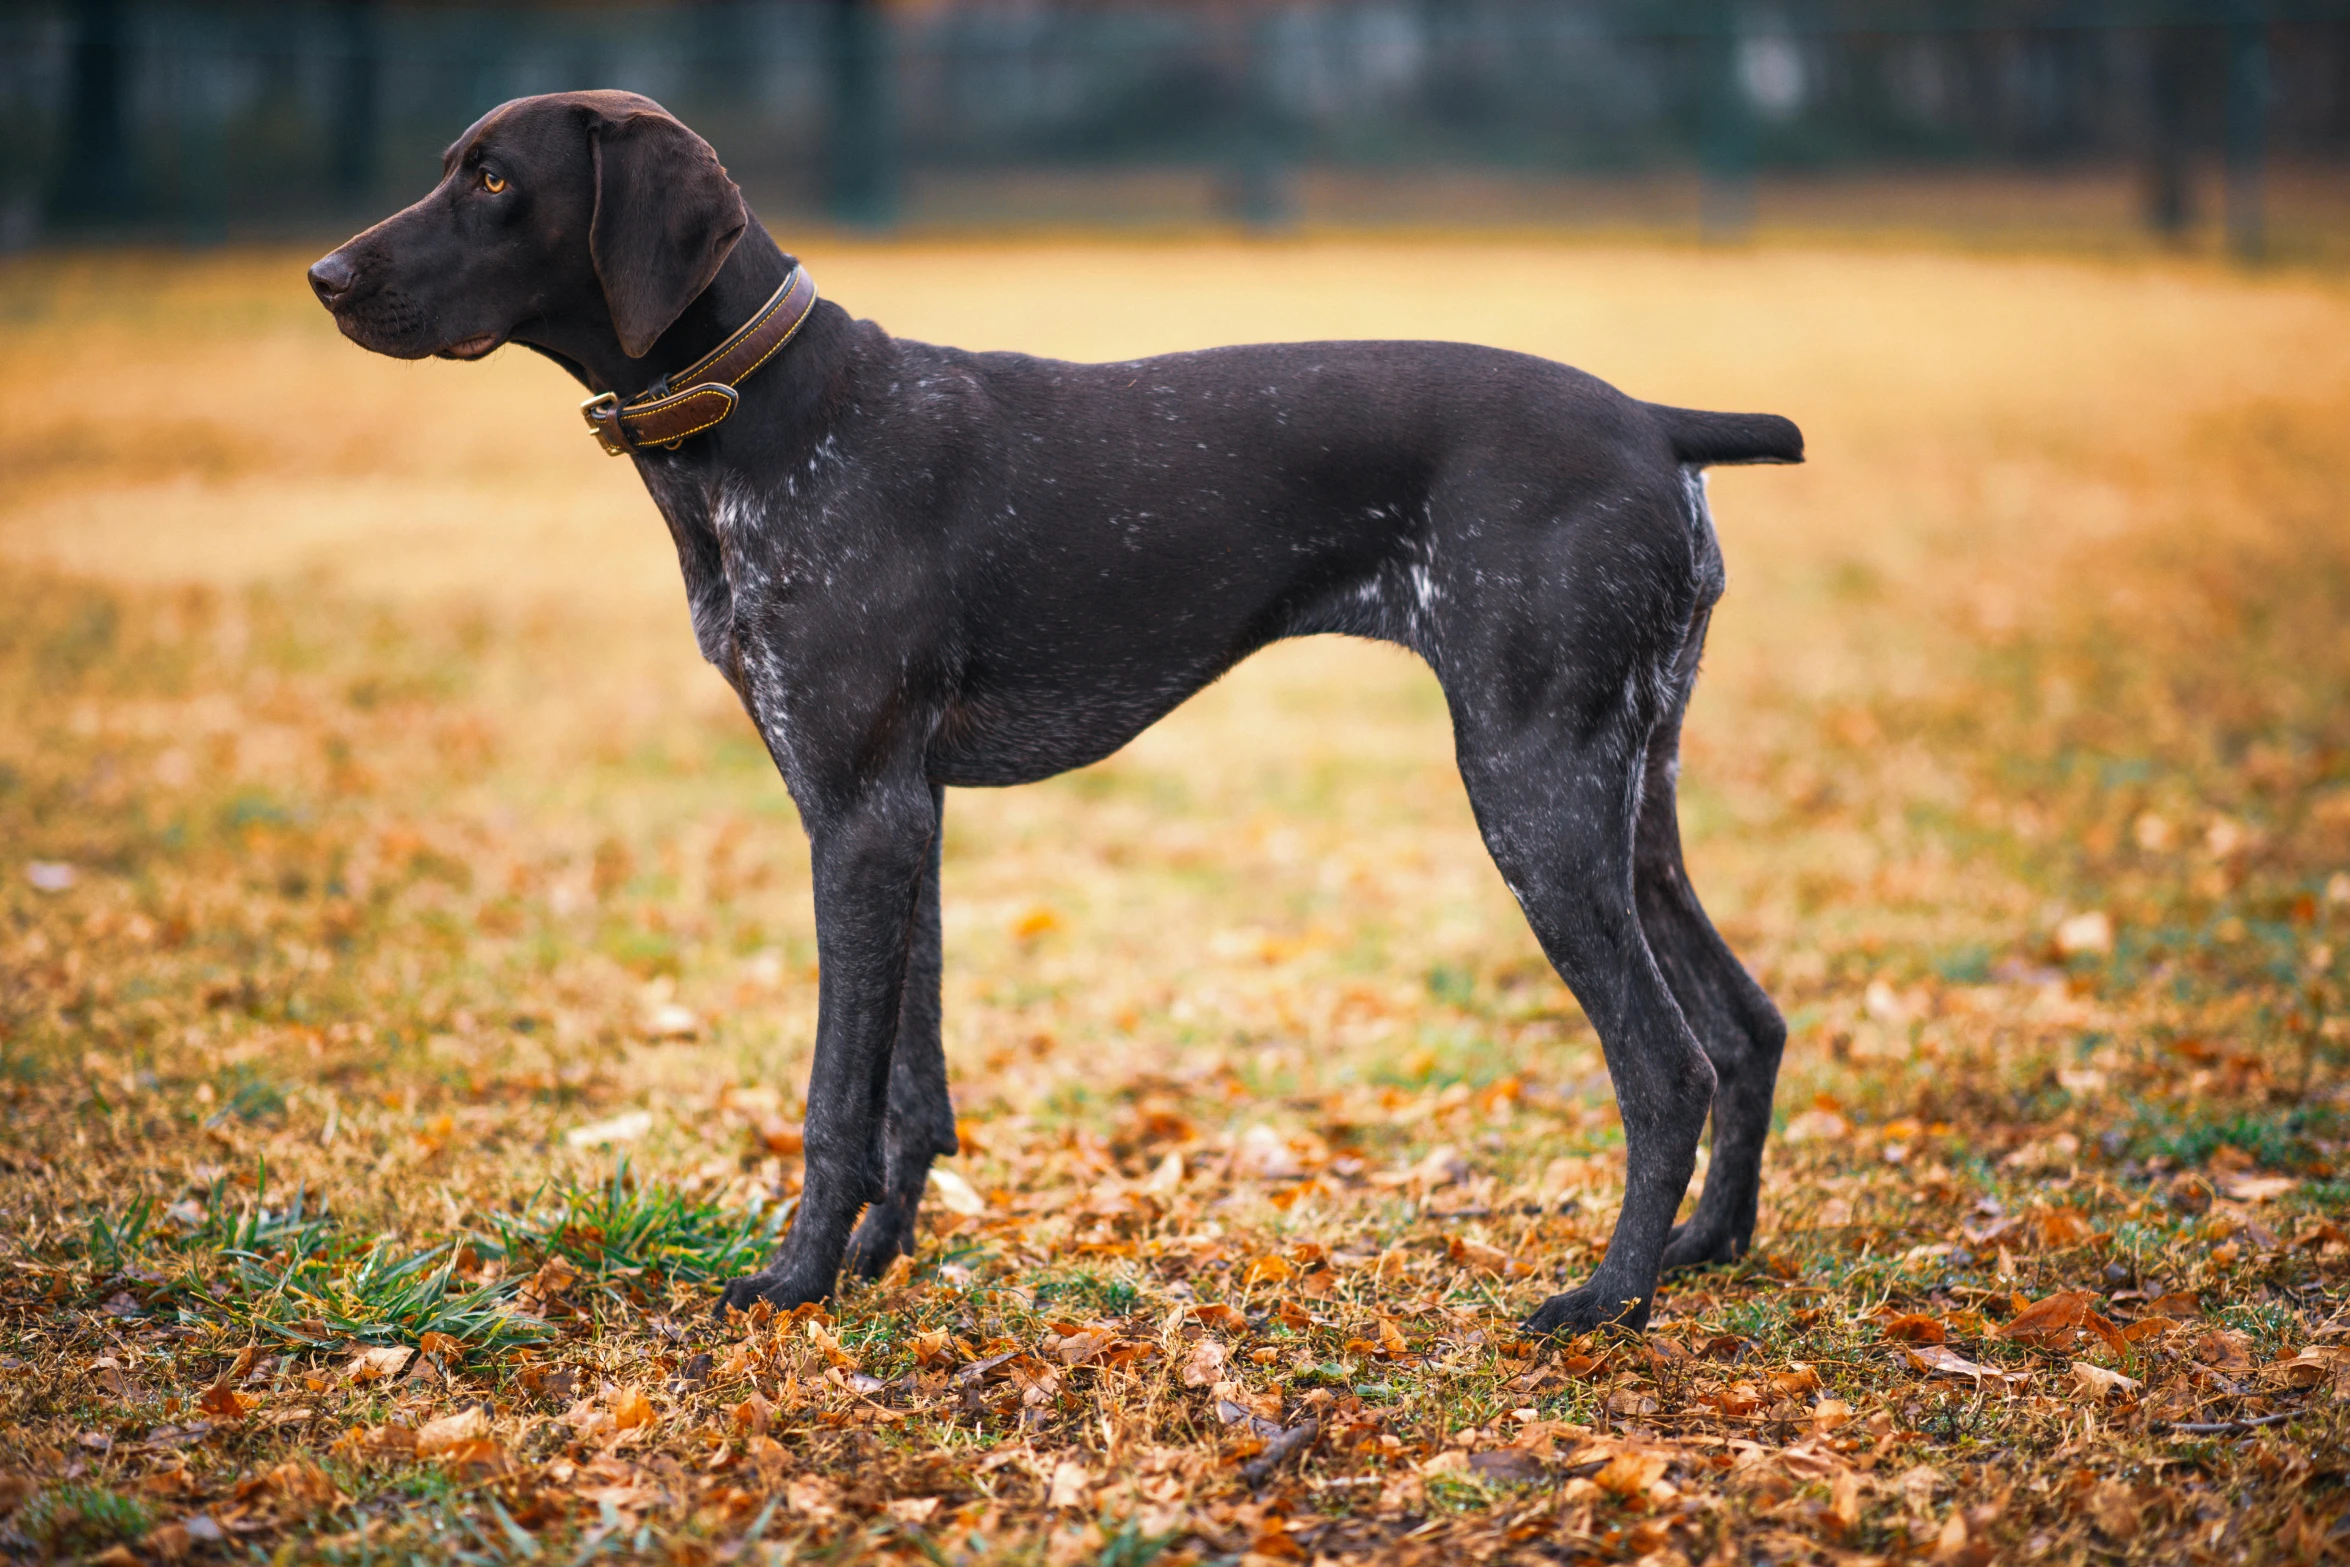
[602, 413]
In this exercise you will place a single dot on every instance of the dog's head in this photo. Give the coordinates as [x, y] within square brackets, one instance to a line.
[570, 211]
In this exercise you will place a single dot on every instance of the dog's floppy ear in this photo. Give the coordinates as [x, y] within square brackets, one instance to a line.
[666, 218]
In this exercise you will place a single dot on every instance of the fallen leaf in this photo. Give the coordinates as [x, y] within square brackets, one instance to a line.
[670, 1021]
[2257, 1188]
[305, 1485]
[2052, 1322]
[1507, 1466]
[1630, 1473]
[1742, 1398]
[438, 1437]
[2117, 1510]
[2223, 1349]
[619, 1129]
[632, 1409]
[1935, 1360]
[1469, 1254]
[956, 1194]
[1069, 1485]
[912, 1509]
[2061, 1227]
[1915, 1327]
[2317, 1363]
[1271, 1269]
[2083, 934]
[810, 1497]
[1205, 1364]
[1798, 1378]
[2097, 1382]
[1844, 1501]
[374, 1365]
[1817, 1126]
[225, 1402]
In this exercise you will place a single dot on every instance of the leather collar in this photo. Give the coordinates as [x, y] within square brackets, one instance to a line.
[705, 392]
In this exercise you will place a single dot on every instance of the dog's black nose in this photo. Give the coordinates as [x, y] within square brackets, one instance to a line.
[330, 279]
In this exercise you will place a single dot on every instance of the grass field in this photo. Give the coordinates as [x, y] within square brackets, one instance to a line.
[406, 973]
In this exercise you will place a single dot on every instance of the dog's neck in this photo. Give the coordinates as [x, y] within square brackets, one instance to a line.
[747, 279]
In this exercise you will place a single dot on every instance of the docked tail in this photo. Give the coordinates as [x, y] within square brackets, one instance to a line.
[1705, 439]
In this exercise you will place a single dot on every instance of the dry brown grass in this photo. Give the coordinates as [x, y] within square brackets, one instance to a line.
[360, 699]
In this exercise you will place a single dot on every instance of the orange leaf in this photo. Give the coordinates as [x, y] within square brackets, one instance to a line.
[225, 1402]
[1630, 1474]
[1796, 1379]
[631, 1409]
[1844, 1501]
[2062, 1227]
[1742, 1398]
[437, 1438]
[2051, 1322]
[1205, 1364]
[478, 1457]
[1469, 1254]
[438, 1344]
[1915, 1327]
[1267, 1270]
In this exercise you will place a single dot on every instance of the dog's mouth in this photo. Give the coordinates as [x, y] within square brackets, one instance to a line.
[471, 347]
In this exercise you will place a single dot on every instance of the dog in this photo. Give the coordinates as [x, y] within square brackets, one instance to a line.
[920, 568]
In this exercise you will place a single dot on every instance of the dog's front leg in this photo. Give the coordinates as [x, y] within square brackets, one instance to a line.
[920, 1125]
[868, 860]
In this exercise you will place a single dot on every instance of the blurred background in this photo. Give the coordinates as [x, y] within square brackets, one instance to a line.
[2082, 122]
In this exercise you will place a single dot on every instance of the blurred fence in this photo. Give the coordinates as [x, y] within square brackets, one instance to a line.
[195, 120]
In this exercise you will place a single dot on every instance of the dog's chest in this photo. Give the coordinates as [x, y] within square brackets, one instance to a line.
[735, 550]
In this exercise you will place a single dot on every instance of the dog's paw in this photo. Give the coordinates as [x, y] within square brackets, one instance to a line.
[886, 1230]
[777, 1289]
[1692, 1248]
[1584, 1310]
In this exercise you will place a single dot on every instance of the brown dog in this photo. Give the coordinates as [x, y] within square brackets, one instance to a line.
[920, 567]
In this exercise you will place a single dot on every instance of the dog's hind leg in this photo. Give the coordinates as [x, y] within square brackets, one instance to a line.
[920, 1123]
[1556, 797]
[1735, 1022]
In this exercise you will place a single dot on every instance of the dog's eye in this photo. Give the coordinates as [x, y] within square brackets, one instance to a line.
[493, 183]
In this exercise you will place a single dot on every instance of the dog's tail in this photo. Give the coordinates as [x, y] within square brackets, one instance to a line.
[1704, 439]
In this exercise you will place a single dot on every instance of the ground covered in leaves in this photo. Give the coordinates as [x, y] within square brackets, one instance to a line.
[406, 975]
